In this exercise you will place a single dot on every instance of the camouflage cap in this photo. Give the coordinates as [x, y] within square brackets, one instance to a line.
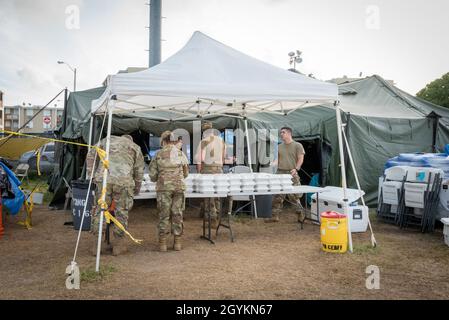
[206, 125]
[167, 136]
[127, 136]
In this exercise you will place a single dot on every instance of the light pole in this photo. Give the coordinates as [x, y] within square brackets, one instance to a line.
[74, 73]
[295, 58]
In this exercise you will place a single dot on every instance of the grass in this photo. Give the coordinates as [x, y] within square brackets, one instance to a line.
[365, 249]
[242, 218]
[90, 275]
[38, 184]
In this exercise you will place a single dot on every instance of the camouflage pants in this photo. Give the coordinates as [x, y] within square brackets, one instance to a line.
[171, 206]
[123, 198]
[211, 205]
[278, 199]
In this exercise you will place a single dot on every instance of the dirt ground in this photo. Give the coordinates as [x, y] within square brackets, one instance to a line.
[266, 261]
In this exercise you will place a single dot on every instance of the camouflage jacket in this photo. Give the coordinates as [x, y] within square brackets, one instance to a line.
[168, 168]
[126, 164]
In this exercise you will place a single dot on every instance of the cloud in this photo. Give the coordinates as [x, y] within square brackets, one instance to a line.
[112, 36]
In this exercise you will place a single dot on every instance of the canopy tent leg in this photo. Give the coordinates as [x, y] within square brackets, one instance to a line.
[90, 135]
[250, 162]
[105, 181]
[373, 239]
[343, 172]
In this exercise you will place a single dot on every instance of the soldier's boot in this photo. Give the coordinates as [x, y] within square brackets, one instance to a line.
[163, 243]
[177, 246]
[119, 246]
[301, 216]
[274, 218]
[105, 248]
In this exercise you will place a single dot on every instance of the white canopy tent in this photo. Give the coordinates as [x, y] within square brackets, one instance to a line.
[207, 78]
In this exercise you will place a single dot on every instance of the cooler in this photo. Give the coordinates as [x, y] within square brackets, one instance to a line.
[332, 200]
[334, 232]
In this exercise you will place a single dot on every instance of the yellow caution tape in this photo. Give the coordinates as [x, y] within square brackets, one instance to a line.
[101, 152]
[38, 162]
[29, 210]
[101, 202]
[109, 217]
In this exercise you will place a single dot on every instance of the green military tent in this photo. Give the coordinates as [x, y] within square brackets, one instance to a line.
[381, 122]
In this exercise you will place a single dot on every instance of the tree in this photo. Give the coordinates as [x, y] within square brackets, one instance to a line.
[437, 91]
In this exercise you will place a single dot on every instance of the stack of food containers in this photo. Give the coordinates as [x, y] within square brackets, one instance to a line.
[190, 183]
[286, 182]
[221, 183]
[275, 183]
[147, 184]
[235, 183]
[248, 182]
[205, 183]
[262, 182]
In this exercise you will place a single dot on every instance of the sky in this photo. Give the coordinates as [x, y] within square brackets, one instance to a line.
[404, 41]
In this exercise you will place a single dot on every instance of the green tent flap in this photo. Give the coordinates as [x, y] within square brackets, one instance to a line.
[382, 121]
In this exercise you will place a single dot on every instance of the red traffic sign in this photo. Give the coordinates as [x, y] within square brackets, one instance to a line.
[47, 120]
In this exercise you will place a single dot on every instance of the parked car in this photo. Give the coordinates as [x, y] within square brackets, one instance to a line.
[47, 160]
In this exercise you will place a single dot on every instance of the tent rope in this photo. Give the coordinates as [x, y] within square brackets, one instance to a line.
[87, 197]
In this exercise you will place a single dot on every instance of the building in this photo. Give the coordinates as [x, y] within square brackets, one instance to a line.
[17, 116]
[127, 70]
[1, 110]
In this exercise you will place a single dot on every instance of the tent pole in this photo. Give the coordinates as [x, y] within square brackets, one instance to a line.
[373, 239]
[90, 136]
[250, 162]
[343, 171]
[105, 181]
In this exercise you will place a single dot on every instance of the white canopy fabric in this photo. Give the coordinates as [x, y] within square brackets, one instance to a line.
[208, 77]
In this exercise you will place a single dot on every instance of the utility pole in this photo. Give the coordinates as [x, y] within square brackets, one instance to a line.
[155, 32]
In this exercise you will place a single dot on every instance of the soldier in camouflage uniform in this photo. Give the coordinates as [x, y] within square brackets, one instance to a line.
[290, 158]
[210, 159]
[168, 169]
[125, 175]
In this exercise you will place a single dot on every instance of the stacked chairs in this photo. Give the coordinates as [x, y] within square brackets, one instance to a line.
[409, 197]
[421, 198]
[391, 195]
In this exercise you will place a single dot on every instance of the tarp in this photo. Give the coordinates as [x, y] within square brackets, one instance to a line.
[13, 205]
[208, 77]
[78, 114]
[13, 148]
[375, 97]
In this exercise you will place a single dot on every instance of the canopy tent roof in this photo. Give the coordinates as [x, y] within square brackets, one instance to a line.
[207, 77]
[375, 97]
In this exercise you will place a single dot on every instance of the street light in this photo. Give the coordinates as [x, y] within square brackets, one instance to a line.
[74, 73]
[295, 58]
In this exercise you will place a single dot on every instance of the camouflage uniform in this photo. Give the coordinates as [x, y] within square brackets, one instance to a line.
[168, 168]
[211, 165]
[126, 166]
[211, 205]
[278, 199]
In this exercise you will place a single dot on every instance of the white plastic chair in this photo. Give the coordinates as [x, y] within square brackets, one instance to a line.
[22, 171]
